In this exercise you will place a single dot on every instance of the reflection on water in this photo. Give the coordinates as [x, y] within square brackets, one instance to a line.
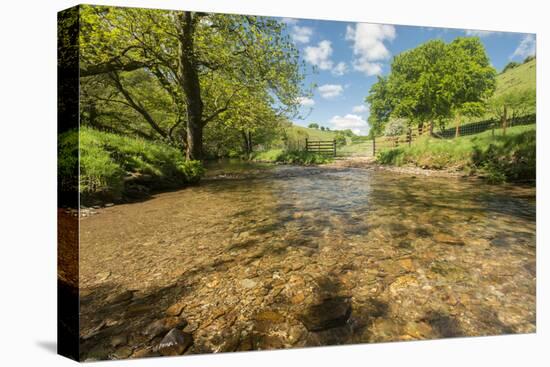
[303, 256]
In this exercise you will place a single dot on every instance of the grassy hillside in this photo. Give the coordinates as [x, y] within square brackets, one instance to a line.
[290, 149]
[313, 134]
[518, 78]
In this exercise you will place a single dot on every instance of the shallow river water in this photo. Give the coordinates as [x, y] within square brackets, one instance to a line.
[263, 257]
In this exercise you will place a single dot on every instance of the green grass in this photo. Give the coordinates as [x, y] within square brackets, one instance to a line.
[109, 163]
[500, 158]
[359, 148]
[291, 148]
[312, 134]
[291, 157]
[518, 78]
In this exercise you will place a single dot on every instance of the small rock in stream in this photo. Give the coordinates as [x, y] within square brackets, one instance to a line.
[175, 310]
[121, 297]
[175, 343]
[331, 313]
[248, 283]
[159, 327]
[122, 353]
[448, 239]
[118, 340]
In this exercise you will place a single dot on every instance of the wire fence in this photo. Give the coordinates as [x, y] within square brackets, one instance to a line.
[481, 126]
[370, 146]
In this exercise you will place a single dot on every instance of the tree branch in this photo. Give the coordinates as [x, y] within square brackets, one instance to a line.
[136, 105]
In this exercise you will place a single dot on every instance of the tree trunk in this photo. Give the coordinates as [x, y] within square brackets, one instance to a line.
[457, 131]
[246, 138]
[189, 79]
[194, 142]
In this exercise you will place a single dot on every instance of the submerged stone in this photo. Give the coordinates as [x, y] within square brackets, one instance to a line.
[331, 313]
[248, 283]
[175, 343]
[122, 353]
[448, 239]
[159, 327]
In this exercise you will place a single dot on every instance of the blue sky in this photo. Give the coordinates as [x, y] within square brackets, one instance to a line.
[349, 56]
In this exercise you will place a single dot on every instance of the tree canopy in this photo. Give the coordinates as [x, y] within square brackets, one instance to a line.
[169, 74]
[432, 83]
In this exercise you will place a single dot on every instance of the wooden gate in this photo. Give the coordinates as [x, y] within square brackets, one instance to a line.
[327, 147]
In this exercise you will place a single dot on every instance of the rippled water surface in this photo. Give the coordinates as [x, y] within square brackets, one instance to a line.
[262, 257]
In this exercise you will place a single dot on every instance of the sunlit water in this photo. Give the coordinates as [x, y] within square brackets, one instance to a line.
[261, 257]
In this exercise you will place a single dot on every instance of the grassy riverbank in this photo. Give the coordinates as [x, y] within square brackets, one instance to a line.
[290, 157]
[499, 158]
[114, 167]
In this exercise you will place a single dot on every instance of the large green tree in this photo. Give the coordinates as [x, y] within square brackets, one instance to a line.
[432, 83]
[380, 105]
[469, 79]
[202, 64]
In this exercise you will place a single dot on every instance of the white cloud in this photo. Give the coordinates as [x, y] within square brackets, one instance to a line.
[320, 55]
[301, 34]
[330, 90]
[478, 33]
[350, 121]
[340, 69]
[289, 21]
[305, 101]
[527, 47]
[368, 46]
[360, 109]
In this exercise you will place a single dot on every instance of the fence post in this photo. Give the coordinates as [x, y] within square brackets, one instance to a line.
[334, 146]
[373, 146]
[307, 147]
[410, 136]
[504, 121]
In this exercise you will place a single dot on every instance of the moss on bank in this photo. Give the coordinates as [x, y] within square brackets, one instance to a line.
[500, 158]
[113, 167]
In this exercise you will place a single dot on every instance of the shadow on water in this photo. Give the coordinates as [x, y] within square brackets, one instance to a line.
[443, 325]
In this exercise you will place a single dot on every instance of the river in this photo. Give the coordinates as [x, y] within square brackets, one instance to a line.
[260, 256]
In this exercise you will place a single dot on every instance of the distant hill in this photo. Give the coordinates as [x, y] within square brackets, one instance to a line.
[313, 134]
[515, 79]
[520, 77]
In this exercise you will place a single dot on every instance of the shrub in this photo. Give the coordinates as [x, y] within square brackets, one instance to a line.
[193, 170]
[510, 65]
[395, 127]
[512, 158]
[529, 58]
[340, 139]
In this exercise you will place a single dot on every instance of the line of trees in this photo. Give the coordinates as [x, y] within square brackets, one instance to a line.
[167, 75]
[432, 84]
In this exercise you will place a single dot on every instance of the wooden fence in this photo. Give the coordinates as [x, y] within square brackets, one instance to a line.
[327, 147]
[372, 146]
[388, 142]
